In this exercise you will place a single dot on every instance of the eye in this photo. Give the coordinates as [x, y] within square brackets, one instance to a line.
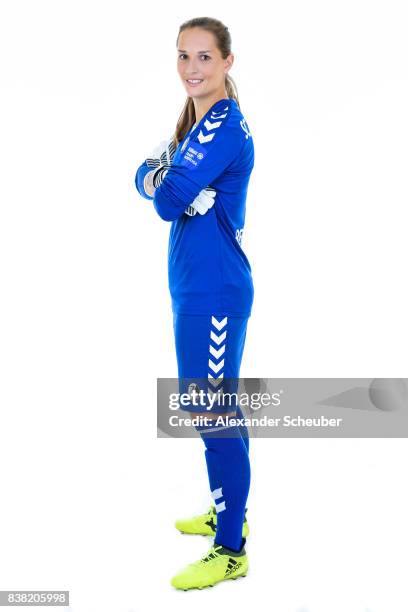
[182, 55]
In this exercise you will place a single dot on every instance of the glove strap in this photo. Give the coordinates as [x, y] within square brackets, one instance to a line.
[159, 175]
[191, 211]
[167, 157]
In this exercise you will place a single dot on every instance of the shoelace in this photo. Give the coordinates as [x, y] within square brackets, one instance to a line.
[207, 557]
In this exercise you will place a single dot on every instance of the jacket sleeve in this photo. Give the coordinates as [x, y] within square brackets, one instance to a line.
[204, 159]
[139, 178]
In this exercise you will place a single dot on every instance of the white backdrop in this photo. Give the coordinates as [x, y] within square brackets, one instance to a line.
[88, 494]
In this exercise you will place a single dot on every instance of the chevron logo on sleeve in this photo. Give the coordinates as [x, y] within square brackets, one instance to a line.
[218, 114]
[202, 138]
[211, 125]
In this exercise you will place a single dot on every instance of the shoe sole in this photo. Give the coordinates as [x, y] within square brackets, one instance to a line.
[215, 584]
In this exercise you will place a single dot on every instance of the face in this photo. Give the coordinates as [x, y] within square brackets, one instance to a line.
[198, 58]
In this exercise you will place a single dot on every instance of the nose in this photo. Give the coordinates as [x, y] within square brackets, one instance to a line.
[192, 67]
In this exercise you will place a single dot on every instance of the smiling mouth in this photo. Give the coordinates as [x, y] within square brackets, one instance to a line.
[194, 81]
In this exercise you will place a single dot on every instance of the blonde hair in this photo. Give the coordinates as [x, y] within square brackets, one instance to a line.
[223, 42]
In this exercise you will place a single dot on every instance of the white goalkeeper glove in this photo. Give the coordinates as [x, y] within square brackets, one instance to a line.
[202, 203]
[162, 155]
[160, 160]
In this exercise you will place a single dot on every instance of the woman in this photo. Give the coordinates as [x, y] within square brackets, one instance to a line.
[198, 180]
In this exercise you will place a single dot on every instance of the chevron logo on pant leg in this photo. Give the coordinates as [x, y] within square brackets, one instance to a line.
[215, 381]
[219, 324]
[216, 367]
[215, 373]
[218, 339]
[215, 353]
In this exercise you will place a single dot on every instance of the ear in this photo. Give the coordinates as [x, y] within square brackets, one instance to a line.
[228, 62]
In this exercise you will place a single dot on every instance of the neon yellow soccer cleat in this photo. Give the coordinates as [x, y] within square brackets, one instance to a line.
[205, 524]
[219, 564]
